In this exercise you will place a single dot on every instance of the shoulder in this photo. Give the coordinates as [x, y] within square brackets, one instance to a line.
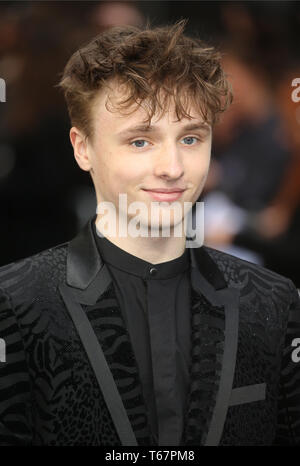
[44, 269]
[252, 278]
[235, 270]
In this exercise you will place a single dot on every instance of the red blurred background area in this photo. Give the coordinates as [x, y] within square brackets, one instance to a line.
[252, 196]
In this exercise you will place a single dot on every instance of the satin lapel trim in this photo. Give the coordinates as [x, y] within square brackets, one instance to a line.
[228, 299]
[93, 292]
[102, 371]
[88, 278]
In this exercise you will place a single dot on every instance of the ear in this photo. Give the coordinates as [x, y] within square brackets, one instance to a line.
[80, 147]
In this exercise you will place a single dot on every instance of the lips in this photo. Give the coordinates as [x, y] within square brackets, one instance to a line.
[162, 194]
[165, 190]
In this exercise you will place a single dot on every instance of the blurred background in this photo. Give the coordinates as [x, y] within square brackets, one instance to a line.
[252, 196]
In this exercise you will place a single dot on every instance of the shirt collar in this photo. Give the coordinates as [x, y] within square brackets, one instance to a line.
[122, 260]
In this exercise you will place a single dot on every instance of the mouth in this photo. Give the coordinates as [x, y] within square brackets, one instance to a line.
[165, 194]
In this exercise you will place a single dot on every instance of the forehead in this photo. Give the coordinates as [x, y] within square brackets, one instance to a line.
[107, 111]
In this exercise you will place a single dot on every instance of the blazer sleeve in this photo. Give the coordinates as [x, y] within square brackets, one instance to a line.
[288, 420]
[15, 399]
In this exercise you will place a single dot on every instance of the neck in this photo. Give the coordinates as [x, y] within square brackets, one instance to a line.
[151, 249]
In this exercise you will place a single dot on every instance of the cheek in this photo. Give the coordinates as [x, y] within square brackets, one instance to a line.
[198, 167]
[205, 158]
[130, 171]
[120, 173]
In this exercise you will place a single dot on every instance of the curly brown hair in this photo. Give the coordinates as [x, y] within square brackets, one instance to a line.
[155, 64]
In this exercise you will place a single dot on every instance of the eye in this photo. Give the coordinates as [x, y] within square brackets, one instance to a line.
[189, 140]
[139, 143]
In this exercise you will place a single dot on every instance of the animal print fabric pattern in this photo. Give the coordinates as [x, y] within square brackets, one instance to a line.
[207, 348]
[269, 321]
[49, 394]
[109, 326]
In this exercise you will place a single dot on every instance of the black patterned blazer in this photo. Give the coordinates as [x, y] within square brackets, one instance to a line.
[69, 376]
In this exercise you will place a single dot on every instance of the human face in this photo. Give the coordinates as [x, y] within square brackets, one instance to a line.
[130, 158]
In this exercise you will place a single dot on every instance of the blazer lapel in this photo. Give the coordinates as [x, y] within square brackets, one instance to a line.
[89, 297]
[214, 321]
[91, 302]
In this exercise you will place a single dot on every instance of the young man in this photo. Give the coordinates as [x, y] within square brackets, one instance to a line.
[136, 339]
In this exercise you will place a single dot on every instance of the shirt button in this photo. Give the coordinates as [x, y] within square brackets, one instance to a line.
[153, 271]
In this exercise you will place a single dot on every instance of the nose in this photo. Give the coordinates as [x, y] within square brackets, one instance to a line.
[168, 163]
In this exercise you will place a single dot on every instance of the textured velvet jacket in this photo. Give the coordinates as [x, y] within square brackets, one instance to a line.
[70, 375]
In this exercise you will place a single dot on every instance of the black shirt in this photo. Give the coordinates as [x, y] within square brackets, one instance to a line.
[155, 303]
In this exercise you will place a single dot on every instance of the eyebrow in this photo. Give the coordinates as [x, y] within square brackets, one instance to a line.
[152, 129]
